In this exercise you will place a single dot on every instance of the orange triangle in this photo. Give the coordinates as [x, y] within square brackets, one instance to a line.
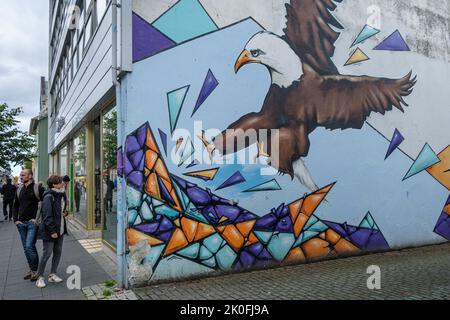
[177, 242]
[203, 231]
[150, 159]
[151, 186]
[252, 239]
[295, 209]
[189, 228]
[150, 142]
[134, 237]
[246, 227]
[234, 238]
[161, 170]
[221, 229]
[312, 201]
[300, 224]
[295, 255]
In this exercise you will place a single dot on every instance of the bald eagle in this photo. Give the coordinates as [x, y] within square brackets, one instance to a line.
[307, 90]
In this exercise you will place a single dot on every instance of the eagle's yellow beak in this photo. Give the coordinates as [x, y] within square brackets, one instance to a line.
[244, 59]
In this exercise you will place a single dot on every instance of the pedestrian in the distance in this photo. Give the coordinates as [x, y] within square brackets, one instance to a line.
[52, 229]
[25, 213]
[66, 180]
[8, 192]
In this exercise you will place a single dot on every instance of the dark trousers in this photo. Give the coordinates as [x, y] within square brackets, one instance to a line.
[7, 204]
[28, 234]
[51, 247]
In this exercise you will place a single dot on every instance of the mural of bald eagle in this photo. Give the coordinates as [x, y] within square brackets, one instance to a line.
[307, 90]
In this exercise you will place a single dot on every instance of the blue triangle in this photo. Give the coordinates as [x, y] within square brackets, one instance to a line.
[271, 185]
[163, 137]
[236, 178]
[280, 245]
[368, 223]
[366, 33]
[175, 100]
[394, 42]
[263, 236]
[426, 159]
[185, 20]
[397, 140]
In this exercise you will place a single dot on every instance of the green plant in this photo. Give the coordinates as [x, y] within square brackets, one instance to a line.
[107, 293]
[110, 283]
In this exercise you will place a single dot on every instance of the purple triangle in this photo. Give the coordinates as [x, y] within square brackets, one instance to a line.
[396, 141]
[165, 194]
[209, 85]
[193, 164]
[235, 179]
[443, 226]
[147, 41]
[163, 136]
[394, 42]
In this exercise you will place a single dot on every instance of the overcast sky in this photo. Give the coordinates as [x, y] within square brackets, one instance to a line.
[23, 54]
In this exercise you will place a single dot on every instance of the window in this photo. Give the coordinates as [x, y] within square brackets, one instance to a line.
[80, 182]
[101, 6]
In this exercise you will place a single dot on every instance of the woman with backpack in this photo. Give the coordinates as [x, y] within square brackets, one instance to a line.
[52, 229]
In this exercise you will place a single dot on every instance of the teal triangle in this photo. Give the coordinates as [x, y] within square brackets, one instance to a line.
[188, 151]
[211, 262]
[271, 185]
[305, 236]
[190, 252]
[155, 254]
[225, 258]
[264, 236]
[213, 243]
[368, 222]
[132, 217]
[205, 253]
[175, 100]
[193, 213]
[366, 33]
[280, 245]
[426, 159]
[310, 222]
[186, 20]
[318, 227]
[167, 212]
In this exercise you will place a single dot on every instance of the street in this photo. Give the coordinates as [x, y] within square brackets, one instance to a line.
[13, 267]
[415, 274]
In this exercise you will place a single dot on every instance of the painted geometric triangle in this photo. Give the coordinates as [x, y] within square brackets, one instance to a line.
[236, 178]
[394, 42]
[426, 159]
[209, 85]
[369, 223]
[271, 185]
[205, 175]
[366, 33]
[396, 141]
[185, 20]
[163, 137]
[357, 56]
[175, 100]
[188, 151]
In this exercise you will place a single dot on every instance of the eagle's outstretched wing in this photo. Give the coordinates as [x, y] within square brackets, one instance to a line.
[309, 33]
[343, 102]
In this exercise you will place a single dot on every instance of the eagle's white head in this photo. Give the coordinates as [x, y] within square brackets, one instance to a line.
[272, 51]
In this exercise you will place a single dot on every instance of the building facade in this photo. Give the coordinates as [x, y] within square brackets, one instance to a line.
[142, 94]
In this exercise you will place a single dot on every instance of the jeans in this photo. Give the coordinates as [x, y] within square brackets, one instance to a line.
[50, 247]
[28, 234]
[7, 204]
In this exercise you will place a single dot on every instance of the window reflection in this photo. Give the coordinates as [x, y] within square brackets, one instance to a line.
[80, 184]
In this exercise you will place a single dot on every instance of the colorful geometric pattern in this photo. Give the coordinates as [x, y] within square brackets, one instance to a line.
[185, 20]
[440, 171]
[209, 85]
[357, 56]
[193, 223]
[396, 141]
[443, 224]
[193, 164]
[187, 152]
[366, 33]
[394, 42]
[236, 178]
[163, 137]
[147, 41]
[425, 159]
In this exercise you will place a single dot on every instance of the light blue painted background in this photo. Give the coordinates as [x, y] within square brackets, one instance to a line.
[406, 211]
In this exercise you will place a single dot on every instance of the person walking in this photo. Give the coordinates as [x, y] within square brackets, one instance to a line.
[8, 192]
[25, 212]
[52, 229]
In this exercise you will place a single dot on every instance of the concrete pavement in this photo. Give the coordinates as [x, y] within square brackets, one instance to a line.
[13, 267]
[422, 273]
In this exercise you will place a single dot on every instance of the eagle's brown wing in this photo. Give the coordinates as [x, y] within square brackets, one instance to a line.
[342, 102]
[309, 33]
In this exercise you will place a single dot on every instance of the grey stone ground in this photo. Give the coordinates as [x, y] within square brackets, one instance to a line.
[422, 273]
[13, 267]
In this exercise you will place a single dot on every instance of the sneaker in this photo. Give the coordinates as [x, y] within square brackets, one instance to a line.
[53, 278]
[40, 283]
[28, 275]
[34, 276]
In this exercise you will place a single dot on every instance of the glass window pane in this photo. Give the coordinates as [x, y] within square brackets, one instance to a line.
[101, 9]
[80, 182]
[109, 173]
[88, 31]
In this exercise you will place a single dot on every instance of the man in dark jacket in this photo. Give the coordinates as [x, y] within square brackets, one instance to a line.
[25, 211]
[8, 192]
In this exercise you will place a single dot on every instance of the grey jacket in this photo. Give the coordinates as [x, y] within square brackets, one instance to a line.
[53, 220]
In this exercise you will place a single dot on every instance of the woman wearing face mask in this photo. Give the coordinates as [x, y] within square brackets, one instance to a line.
[52, 229]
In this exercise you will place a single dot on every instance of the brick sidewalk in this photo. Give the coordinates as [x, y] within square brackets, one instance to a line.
[13, 267]
[422, 273]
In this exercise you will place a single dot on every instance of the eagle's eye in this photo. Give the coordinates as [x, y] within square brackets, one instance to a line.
[256, 53]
